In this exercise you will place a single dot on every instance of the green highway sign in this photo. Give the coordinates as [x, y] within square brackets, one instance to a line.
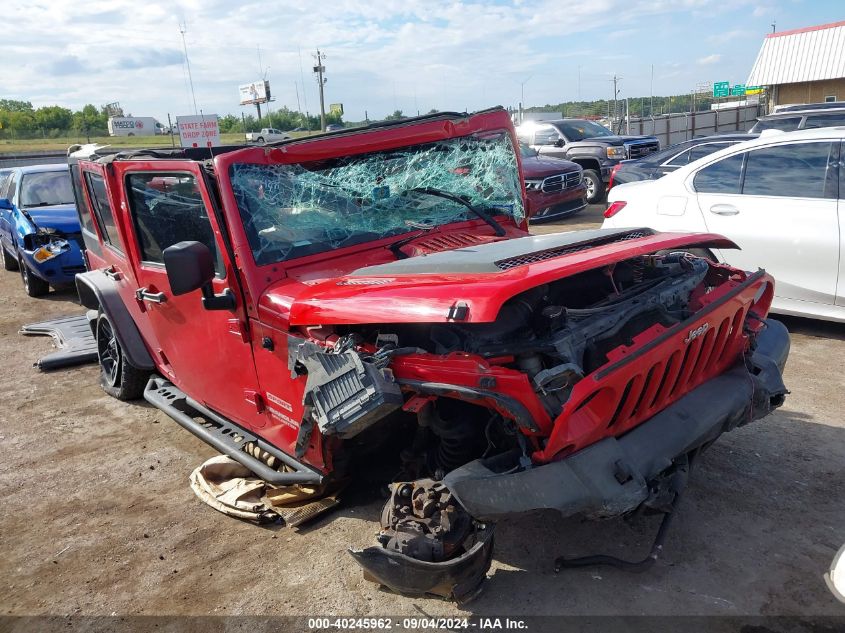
[721, 89]
[738, 90]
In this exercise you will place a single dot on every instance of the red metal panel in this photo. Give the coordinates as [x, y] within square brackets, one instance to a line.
[639, 381]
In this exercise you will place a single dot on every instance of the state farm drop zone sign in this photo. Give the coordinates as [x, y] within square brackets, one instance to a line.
[198, 131]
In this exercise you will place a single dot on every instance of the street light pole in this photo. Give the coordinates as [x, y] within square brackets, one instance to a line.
[183, 27]
[522, 97]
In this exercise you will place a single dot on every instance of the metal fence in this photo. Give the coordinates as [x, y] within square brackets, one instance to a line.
[674, 128]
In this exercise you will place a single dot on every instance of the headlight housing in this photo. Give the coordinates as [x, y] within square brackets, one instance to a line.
[533, 185]
[616, 152]
[53, 248]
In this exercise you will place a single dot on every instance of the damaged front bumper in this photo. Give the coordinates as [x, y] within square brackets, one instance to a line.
[611, 477]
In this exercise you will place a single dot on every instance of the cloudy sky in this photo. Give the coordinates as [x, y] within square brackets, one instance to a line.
[381, 54]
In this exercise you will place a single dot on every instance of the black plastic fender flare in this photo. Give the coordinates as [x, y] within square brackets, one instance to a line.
[97, 291]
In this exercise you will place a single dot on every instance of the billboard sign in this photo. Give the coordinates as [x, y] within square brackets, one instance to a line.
[738, 90]
[198, 131]
[256, 92]
[721, 89]
[336, 108]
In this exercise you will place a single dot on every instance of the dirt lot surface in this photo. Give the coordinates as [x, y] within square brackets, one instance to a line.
[98, 517]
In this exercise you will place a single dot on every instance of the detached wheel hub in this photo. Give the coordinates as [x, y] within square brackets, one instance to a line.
[428, 544]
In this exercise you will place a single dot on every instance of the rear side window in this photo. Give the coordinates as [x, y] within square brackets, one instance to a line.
[81, 202]
[797, 170]
[681, 159]
[825, 120]
[721, 177]
[787, 124]
[102, 209]
[706, 149]
[168, 208]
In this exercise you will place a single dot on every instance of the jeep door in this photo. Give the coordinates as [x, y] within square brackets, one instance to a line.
[206, 353]
[778, 203]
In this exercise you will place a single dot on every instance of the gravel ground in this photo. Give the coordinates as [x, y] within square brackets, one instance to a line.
[98, 517]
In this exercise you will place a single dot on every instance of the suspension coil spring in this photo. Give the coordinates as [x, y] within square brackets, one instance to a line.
[456, 438]
[638, 270]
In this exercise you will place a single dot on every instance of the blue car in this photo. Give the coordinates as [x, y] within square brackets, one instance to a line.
[39, 228]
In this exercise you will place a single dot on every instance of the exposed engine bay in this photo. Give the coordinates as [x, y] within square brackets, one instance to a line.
[555, 334]
[468, 435]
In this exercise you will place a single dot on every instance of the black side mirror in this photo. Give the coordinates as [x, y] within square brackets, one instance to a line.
[190, 266]
[6, 204]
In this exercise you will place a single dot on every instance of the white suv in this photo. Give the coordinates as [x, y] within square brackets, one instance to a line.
[779, 198]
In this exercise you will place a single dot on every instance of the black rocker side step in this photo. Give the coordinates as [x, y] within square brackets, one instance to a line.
[224, 435]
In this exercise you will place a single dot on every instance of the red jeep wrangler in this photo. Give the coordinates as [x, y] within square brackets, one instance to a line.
[296, 305]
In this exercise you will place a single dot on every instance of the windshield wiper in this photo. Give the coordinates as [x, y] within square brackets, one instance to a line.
[45, 204]
[398, 244]
[479, 211]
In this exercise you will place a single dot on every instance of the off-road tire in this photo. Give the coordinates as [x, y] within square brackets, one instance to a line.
[9, 262]
[595, 186]
[33, 285]
[260, 140]
[118, 377]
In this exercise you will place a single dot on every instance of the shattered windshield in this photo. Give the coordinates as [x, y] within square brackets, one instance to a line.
[294, 210]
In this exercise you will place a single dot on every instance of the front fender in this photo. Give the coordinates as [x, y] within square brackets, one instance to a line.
[99, 292]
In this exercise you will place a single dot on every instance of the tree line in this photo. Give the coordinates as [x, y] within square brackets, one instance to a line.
[19, 119]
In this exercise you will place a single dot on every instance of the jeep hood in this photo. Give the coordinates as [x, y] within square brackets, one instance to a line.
[467, 284]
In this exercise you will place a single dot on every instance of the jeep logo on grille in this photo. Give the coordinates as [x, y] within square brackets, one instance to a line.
[694, 334]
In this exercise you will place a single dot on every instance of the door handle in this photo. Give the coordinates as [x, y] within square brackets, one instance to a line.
[724, 209]
[142, 294]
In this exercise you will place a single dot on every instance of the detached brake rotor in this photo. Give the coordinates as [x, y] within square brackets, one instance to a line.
[428, 544]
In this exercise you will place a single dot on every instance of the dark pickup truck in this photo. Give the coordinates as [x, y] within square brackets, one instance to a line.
[591, 145]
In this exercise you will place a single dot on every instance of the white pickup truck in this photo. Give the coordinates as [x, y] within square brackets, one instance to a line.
[267, 135]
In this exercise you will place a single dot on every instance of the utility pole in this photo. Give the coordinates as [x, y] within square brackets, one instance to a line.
[774, 25]
[615, 103]
[320, 69]
[651, 98]
[183, 28]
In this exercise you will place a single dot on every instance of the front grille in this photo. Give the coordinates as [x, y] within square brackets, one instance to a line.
[561, 182]
[624, 394]
[540, 256]
[638, 150]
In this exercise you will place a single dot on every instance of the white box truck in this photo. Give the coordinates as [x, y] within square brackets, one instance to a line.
[134, 126]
